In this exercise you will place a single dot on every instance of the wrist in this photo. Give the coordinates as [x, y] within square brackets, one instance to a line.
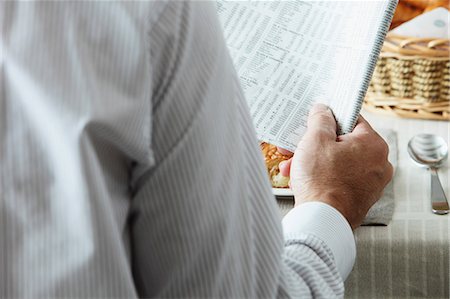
[339, 201]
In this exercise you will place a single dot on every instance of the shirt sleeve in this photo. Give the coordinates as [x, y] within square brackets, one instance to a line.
[327, 224]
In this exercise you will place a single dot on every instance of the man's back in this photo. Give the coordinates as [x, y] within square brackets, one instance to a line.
[90, 144]
[129, 164]
[74, 115]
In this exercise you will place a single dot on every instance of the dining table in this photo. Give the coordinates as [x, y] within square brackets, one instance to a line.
[408, 257]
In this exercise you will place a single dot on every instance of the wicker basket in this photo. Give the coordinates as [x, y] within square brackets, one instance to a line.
[412, 79]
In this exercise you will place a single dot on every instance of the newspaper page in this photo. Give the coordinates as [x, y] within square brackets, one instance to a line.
[291, 54]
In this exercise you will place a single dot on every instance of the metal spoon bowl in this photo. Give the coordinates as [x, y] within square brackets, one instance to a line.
[431, 151]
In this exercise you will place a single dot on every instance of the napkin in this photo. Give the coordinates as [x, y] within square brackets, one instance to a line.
[432, 24]
[382, 211]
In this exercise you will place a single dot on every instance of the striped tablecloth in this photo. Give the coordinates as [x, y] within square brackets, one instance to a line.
[409, 258]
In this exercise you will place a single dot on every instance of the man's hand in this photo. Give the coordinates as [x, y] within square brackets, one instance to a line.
[348, 172]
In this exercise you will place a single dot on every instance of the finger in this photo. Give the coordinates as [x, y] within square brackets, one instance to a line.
[284, 151]
[285, 167]
[321, 122]
[362, 127]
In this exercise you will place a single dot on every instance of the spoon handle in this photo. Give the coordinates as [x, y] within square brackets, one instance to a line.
[439, 202]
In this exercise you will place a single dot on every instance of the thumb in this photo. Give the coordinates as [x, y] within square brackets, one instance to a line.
[321, 123]
[285, 167]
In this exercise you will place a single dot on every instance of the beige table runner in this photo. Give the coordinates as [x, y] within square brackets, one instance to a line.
[409, 258]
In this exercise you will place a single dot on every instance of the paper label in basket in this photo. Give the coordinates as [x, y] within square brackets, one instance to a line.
[292, 54]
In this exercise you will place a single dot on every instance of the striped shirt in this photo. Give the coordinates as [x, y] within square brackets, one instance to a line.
[129, 164]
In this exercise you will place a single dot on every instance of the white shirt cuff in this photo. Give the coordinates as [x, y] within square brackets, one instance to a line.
[329, 225]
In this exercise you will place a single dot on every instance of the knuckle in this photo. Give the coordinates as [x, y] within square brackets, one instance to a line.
[385, 173]
[384, 147]
[390, 171]
[380, 173]
[379, 145]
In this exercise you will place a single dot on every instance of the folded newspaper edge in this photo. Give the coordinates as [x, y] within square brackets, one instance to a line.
[292, 54]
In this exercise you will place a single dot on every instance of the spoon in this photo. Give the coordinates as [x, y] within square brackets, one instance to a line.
[430, 151]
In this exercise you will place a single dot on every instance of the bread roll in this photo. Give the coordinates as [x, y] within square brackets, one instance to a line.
[435, 4]
[404, 13]
[272, 159]
[419, 4]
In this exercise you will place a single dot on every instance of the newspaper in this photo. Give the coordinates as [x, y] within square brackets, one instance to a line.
[291, 54]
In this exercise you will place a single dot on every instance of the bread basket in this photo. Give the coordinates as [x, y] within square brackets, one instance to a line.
[412, 79]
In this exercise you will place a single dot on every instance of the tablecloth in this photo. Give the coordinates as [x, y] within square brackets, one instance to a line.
[408, 258]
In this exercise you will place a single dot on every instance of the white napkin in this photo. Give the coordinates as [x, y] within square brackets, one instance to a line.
[432, 24]
[382, 211]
